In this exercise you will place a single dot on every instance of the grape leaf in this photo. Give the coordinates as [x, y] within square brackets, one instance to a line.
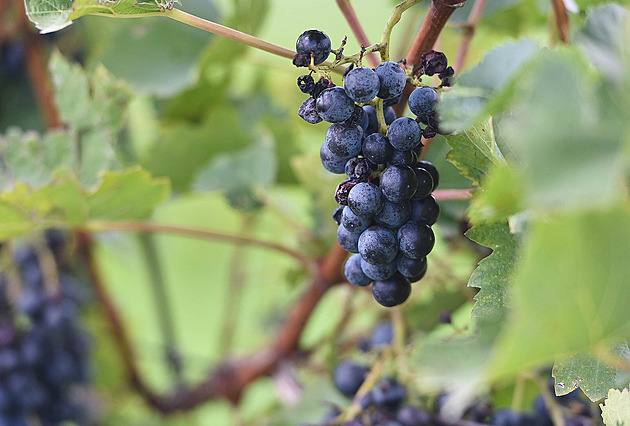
[591, 373]
[49, 15]
[616, 409]
[475, 151]
[494, 273]
[63, 202]
[571, 288]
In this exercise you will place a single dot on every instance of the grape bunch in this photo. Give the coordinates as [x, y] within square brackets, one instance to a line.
[385, 208]
[43, 351]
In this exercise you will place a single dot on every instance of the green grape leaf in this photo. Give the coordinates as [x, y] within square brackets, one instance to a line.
[475, 152]
[49, 15]
[130, 194]
[571, 288]
[493, 276]
[591, 373]
[485, 88]
[616, 409]
[27, 157]
[127, 195]
[499, 198]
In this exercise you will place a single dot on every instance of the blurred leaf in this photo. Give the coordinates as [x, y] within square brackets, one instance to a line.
[183, 149]
[129, 194]
[493, 276]
[485, 88]
[175, 49]
[601, 39]
[474, 152]
[27, 158]
[499, 197]
[594, 375]
[567, 133]
[570, 290]
[97, 154]
[616, 409]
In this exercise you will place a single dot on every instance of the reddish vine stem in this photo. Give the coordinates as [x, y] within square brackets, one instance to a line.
[231, 377]
[469, 31]
[348, 12]
[437, 16]
[562, 20]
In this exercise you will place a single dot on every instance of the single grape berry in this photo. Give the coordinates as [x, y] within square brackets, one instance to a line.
[361, 84]
[344, 140]
[411, 268]
[382, 334]
[333, 105]
[422, 101]
[337, 214]
[426, 210]
[389, 393]
[348, 240]
[431, 169]
[377, 149]
[433, 62]
[308, 112]
[391, 292]
[403, 158]
[358, 117]
[415, 239]
[354, 223]
[365, 199]
[399, 183]
[306, 84]
[331, 162]
[378, 272]
[393, 215]
[425, 183]
[392, 79]
[389, 114]
[404, 133]
[314, 42]
[354, 273]
[349, 376]
[371, 125]
[378, 245]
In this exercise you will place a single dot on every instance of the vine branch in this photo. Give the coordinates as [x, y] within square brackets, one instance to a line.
[562, 20]
[469, 31]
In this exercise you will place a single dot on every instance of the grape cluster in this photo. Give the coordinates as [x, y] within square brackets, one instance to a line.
[385, 208]
[43, 351]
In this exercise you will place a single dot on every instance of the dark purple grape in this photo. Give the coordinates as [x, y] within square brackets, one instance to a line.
[382, 334]
[343, 190]
[314, 42]
[354, 273]
[399, 183]
[389, 393]
[348, 240]
[359, 169]
[393, 215]
[349, 376]
[392, 79]
[433, 62]
[365, 199]
[431, 169]
[371, 125]
[378, 272]
[411, 268]
[426, 210]
[391, 292]
[425, 183]
[337, 214]
[331, 162]
[389, 114]
[412, 416]
[403, 158]
[378, 245]
[354, 223]
[377, 149]
[344, 140]
[415, 239]
[308, 112]
[404, 133]
[334, 106]
[422, 101]
[306, 84]
[361, 84]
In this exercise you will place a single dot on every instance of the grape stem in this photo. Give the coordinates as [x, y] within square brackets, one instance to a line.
[197, 232]
[562, 20]
[469, 31]
[394, 18]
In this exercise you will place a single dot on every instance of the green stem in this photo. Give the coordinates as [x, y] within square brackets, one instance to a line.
[394, 18]
[230, 33]
[162, 305]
